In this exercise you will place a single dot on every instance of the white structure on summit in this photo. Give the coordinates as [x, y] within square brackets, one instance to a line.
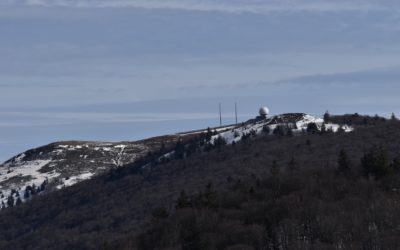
[264, 112]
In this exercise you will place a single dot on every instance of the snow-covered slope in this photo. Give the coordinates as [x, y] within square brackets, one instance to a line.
[63, 164]
[296, 122]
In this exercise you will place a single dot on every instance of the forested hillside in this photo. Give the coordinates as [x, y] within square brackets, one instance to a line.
[315, 190]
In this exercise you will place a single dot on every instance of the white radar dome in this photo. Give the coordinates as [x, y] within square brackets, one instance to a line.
[264, 111]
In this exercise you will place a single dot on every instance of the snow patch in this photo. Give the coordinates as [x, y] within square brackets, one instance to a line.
[67, 182]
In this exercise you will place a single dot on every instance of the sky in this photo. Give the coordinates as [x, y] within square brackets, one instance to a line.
[129, 69]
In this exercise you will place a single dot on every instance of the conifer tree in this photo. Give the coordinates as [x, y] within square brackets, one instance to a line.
[33, 189]
[323, 128]
[292, 164]
[209, 134]
[27, 194]
[312, 128]
[220, 141]
[209, 196]
[160, 213]
[10, 201]
[275, 171]
[162, 148]
[289, 132]
[179, 150]
[183, 200]
[376, 163]
[327, 117]
[395, 165]
[343, 162]
[266, 129]
[19, 201]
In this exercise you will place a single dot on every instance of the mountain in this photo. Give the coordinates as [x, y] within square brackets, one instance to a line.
[311, 189]
[63, 164]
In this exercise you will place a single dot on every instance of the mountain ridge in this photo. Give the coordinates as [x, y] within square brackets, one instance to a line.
[61, 164]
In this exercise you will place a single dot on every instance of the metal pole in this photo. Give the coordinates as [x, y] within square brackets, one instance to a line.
[236, 115]
[220, 115]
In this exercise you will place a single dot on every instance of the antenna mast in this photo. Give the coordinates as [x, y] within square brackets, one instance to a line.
[236, 115]
[220, 115]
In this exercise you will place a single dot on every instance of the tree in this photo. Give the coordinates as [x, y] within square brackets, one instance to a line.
[27, 194]
[190, 234]
[33, 189]
[209, 198]
[191, 147]
[275, 171]
[343, 162]
[179, 150]
[327, 117]
[376, 163]
[280, 130]
[183, 200]
[43, 185]
[219, 141]
[19, 201]
[162, 148]
[10, 201]
[395, 164]
[323, 129]
[289, 132]
[292, 164]
[312, 128]
[340, 130]
[266, 129]
[160, 213]
[209, 134]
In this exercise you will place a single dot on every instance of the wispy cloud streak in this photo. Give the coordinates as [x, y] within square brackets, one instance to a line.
[235, 6]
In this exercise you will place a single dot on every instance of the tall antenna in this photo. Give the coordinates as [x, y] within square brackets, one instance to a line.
[236, 116]
[220, 115]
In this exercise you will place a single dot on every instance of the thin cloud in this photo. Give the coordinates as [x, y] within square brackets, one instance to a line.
[234, 6]
[389, 75]
[32, 118]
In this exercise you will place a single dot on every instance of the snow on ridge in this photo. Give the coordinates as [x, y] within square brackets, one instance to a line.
[297, 123]
[62, 164]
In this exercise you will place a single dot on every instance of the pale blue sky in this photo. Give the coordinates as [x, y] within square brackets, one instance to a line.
[128, 69]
